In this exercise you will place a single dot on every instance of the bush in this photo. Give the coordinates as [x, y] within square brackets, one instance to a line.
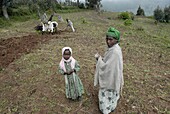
[20, 11]
[68, 11]
[128, 22]
[84, 21]
[81, 6]
[109, 18]
[126, 15]
[33, 8]
[140, 29]
[132, 15]
[58, 6]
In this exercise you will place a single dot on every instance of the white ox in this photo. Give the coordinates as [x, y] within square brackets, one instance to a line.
[51, 26]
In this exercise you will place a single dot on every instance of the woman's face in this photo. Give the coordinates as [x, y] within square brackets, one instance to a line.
[67, 54]
[110, 42]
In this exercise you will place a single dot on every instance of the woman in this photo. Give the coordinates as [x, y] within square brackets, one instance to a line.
[109, 73]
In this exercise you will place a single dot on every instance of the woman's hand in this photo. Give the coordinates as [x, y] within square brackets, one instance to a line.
[94, 66]
[97, 56]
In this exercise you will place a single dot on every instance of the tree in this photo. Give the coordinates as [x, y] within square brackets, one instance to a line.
[158, 14]
[4, 4]
[68, 2]
[140, 11]
[167, 14]
[81, 6]
[78, 2]
[95, 4]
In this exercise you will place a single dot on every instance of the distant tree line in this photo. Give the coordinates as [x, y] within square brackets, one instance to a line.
[162, 15]
[159, 14]
[22, 7]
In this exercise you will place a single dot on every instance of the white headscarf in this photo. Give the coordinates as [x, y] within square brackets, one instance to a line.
[62, 66]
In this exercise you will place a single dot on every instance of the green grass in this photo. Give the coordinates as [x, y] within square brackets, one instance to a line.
[4, 22]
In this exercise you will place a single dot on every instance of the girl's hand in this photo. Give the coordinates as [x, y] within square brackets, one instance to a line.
[65, 73]
[74, 70]
[69, 73]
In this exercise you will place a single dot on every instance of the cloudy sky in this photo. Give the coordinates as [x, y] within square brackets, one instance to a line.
[132, 5]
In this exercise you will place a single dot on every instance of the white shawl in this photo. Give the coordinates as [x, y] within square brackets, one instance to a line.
[109, 70]
[73, 61]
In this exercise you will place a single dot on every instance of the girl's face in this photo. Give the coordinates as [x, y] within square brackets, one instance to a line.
[67, 54]
[110, 42]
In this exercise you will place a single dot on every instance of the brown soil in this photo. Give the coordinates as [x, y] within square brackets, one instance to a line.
[14, 48]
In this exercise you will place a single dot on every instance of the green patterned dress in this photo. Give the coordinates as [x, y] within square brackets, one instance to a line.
[73, 84]
[108, 99]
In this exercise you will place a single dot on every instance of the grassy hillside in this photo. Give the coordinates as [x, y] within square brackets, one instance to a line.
[31, 82]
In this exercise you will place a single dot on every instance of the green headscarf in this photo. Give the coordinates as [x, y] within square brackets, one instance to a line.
[113, 33]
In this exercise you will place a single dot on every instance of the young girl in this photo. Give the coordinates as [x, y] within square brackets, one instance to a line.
[69, 67]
